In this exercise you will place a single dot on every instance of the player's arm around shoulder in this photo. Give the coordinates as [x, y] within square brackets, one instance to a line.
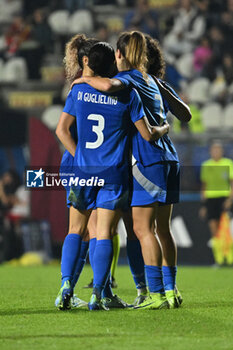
[101, 84]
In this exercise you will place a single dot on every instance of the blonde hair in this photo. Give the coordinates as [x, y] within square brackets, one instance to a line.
[133, 47]
[71, 62]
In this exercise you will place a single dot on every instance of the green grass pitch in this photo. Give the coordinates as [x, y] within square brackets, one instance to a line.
[29, 320]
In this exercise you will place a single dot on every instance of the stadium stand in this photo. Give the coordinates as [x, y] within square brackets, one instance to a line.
[212, 116]
[184, 65]
[81, 21]
[15, 70]
[228, 117]
[58, 21]
[198, 91]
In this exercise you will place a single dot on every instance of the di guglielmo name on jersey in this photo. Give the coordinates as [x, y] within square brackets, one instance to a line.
[96, 98]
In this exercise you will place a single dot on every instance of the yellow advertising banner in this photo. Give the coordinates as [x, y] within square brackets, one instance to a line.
[28, 99]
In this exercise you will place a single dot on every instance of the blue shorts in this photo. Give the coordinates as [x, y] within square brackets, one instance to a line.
[158, 182]
[110, 196]
[112, 193]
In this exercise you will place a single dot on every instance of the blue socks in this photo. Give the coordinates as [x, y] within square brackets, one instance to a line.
[154, 278]
[169, 277]
[92, 244]
[102, 264]
[70, 254]
[80, 263]
[136, 263]
[107, 291]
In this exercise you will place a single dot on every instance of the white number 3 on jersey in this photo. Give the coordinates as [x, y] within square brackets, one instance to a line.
[97, 129]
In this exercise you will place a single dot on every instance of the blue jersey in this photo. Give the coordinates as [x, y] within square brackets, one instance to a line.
[103, 124]
[163, 149]
[168, 87]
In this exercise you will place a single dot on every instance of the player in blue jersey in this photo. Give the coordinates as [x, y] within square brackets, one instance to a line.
[77, 48]
[155, 165]
[101, 166]
[172, 102]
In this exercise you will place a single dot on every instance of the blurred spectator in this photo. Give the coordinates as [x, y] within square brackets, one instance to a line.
[8, 8]
[223, 84]
[217, 44]
[143, 18]
[189, 26]
[227, 22]
[202, 55]
[30, 6]
[10, 198]
[102, 32]
[9, 183]
[227, 68]
[216, 7]
[21, 208]
[41, 31]
[30, 41]
[202, 7]
[18, 32]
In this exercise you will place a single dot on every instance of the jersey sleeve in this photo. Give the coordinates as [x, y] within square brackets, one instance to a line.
[124, 78]
[69, 105]
[136, 108]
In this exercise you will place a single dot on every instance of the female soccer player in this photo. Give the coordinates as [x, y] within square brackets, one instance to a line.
[102, 151]
[154, 168]
[77, 48]
[172, 102]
